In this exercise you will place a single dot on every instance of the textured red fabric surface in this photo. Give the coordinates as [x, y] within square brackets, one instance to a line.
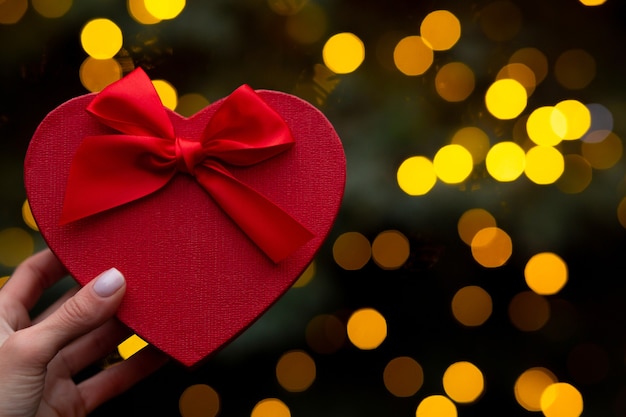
[195, 280]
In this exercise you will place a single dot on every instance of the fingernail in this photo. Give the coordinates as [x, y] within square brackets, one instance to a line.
[108, 282]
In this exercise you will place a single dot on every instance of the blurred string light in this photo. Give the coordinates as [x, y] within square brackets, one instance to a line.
[167, 93]
[416, 175]
[308, 25]
[191, 103]
[199, 400]
[306, 276]
[506, 98]
[27, 216]
[101, 38]
[95, 74]
[436, 406]
[164, 9]
[325, 334]
[561, 399]
[138, 11]
[295, 371]
[463, 382]
[475, 140]
[574, 69]
[403, 376]
[529, 311]
[440, 29]
[270, 407]
[453, 164]
[471, 306]
[413, 56]
[546, 273]
[455, 81]
[16, 244]
[51, 8]
[366, 328]
[390, 249]
[352, 251]
[11, 11]
[130, 346]
[491, 247]
[529, 386]
[343, 53]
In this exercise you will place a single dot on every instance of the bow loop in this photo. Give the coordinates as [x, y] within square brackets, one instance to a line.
[111, 170]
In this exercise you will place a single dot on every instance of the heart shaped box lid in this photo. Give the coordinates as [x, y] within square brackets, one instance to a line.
[196, 278]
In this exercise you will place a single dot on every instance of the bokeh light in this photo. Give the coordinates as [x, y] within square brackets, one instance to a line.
[95, 74]
[455, 81]
[520, 73]
[506, 98]
[167, 93]
[578, 118]
[453, 164]
[352, 250]
[541, 124]
[27, 216]
[529, 311]
[413, 56]
[199, 400]
[471, 306]
[343, 53]
[325, 334]
[308, 25]
[530, 385]
[164, 9]
[436, 406]
[500, 20]
[390, 249]
[546, 273]
[463, 382]
[191, 103]
[101, 38]
[403, 376]
[51, 8]
[416, 175]
[270, 407]
[534, 59]
[306, 276]
[295, 371]
[574, 69]
[11, 11]
[16, 244]
[137, 9]
[475, 140]
[441, 29]
[491, 247]
[561, 400]
[367, 328]
[544, 164]
[506, 161]
[130, 346]
[472, 221]
[577, 174]
[604, 154]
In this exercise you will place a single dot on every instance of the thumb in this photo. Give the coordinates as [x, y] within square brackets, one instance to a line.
[89, 308]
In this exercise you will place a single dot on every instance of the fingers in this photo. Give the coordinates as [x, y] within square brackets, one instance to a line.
[120, 377]
[87, 310]
[31, 278]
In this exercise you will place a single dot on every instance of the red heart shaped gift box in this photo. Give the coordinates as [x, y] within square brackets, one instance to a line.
[211, 218]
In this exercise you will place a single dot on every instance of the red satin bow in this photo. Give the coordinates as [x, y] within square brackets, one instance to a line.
[111, 170]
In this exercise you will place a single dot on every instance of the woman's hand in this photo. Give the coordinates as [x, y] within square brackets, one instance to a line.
[38, 358]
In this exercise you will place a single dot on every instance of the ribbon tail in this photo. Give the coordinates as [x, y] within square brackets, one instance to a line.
[111, 170]
[272, 229]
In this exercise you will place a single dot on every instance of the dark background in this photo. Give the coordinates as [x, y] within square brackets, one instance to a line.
[382, 117]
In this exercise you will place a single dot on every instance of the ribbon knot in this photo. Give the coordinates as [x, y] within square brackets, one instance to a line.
[189, 153]
[111, 170]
